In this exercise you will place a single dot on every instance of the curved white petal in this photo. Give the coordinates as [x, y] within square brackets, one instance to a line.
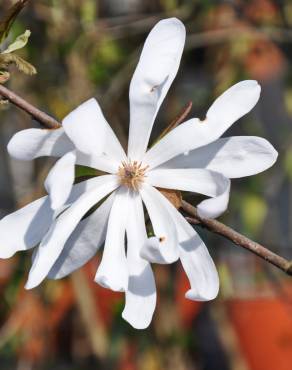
[234, 103]
[60, 180]
[25, 228]
[141, 292]
[162, 248]
[34, 142]
[197, 180]
[239, 100]
[234, 157]
[54, 241]
[196, 260]
[90, 132]
[153, 76]
[112, 272]
[84, 242]
[214, 207]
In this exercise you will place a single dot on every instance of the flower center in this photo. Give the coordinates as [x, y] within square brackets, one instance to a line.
[132, 174]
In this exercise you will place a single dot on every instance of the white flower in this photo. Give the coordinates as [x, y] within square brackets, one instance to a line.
[192, 157]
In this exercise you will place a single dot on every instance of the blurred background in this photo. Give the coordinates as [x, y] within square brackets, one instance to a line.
[85, 48]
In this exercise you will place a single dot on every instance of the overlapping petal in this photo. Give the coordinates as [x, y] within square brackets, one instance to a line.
[153, 76]
[112, 272]
[90, 132]
[238, 100]
[25, 228]
[234, 157]
[54, 241]
[195, 258]
[60, 180]
[196, 180]
[84, 242]
[161, 248]
[141, 292]
[34, 142]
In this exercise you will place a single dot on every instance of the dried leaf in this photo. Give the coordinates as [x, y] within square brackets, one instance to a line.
[10, 17]
[4, 76]
[19, 42]
[174, 196]
[21, 64]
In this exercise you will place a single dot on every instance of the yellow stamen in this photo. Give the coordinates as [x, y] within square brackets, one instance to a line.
[132, 174]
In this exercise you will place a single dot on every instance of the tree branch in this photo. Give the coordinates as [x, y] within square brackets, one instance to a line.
[43, 118]
[210, 224]
[237, 238]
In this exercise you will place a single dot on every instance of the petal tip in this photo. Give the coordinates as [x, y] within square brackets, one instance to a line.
[137, 324]
[202, 296]
[106, 283]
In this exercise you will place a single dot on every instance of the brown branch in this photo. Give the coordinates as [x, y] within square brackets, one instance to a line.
[212, 225]
[43, 118]
[178, 120]
[237, 238]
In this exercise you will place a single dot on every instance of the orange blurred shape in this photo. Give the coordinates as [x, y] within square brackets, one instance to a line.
[219, 16]
[31, 316]
[264, 61]
[128, 357]
[62, 303]
[106, 299]
[264, 329]
[7, 268]
[187, 310]
[262, 11]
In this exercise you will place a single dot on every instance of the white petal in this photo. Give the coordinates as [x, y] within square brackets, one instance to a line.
[141, 292]
[234, 157]
[214, 207]
[83, 242]
[195, 259]
[239, 99]
[32, 143]
[90, 132]
[154, 74]
[32, 222]
[102, 163]
[54, 241]
[234, 103]
[196, 180]
[25, 228]
[112, 272]
[60, 180]
[161, 248]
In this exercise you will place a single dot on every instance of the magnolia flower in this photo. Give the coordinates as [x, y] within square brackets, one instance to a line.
[72, 223]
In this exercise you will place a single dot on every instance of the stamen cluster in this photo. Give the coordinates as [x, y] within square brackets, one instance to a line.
[132, 174]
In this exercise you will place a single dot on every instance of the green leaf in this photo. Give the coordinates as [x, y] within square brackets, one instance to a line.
[83, 171]
[19, 42]
[9, 18]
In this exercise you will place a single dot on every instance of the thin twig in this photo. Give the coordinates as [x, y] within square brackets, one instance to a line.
[43, 118]
[237, 238]
[212, 225]
[178, 120]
